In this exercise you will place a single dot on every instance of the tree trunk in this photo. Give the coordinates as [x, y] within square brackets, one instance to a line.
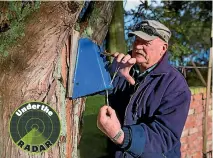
[115, 39]
[37, 69]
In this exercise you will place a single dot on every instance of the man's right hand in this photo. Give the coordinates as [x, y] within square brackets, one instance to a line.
[125, 62]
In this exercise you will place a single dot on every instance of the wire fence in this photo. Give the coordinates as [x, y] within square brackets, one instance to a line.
[203, 72]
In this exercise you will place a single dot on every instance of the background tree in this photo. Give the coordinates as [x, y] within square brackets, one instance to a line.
[189, 22]
[115, 39]
[34, 63]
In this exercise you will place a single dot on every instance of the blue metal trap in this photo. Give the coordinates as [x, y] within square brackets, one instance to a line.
[90, 74]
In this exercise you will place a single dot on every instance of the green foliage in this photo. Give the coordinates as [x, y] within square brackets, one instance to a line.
[87, 32]
[16, 16]
[190, 33]
[77, 27]
[192, 77]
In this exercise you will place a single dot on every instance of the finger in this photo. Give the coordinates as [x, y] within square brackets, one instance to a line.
[126, 58]
[103, 110]
[131, 61]
[111, 111]
[120, 57]
[130, 79]
[115, 54]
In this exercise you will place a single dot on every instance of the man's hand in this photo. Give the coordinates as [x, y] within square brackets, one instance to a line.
[108, 123]
[125, 62]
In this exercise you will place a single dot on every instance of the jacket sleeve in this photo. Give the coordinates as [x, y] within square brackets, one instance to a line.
[161, 134]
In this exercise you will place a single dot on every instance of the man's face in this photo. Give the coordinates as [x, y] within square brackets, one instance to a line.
[148, 53]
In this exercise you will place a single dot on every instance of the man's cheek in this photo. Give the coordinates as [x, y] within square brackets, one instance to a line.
[140, 59]
[147, 49]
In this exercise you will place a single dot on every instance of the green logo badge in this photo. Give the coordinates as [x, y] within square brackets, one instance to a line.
[35, 127]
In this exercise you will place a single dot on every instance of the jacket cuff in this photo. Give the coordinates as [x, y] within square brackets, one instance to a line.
[138, 139]
[126, 138]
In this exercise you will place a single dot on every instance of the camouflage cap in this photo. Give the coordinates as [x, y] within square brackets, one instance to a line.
[150, 30]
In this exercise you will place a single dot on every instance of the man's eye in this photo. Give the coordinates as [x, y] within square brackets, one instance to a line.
[137, 41]
[147, 43]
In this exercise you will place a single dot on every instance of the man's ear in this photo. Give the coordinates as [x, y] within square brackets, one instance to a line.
[164, 48]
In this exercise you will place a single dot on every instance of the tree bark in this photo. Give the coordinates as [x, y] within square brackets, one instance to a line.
[37, 69]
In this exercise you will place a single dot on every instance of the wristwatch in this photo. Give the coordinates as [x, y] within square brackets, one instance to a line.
[117, 136]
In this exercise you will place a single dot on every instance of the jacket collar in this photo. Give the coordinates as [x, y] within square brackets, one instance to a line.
[162, 66]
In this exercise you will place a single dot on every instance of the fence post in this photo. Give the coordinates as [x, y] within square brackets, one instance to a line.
[208, 89]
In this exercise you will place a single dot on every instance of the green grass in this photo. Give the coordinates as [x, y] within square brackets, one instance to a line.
[93, 141]
[93, 104]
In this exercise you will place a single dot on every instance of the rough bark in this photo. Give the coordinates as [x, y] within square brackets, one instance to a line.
[36, 69]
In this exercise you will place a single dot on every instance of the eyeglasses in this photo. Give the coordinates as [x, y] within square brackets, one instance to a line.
[148, 29]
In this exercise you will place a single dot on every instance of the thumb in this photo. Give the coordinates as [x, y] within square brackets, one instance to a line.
[132, 61]
[110, 112]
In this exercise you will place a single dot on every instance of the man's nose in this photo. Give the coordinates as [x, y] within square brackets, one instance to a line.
[139, 46]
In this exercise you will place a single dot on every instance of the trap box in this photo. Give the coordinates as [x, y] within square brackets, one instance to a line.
[88, 72]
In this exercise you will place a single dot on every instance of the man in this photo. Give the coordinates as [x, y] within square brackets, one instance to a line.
[148, 109]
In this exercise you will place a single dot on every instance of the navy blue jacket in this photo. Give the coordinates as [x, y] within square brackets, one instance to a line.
[152, 114]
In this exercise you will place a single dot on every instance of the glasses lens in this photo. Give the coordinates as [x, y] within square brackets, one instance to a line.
[148, 31]
[145, 28]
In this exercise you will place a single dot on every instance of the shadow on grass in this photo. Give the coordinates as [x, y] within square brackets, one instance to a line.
[93, 142]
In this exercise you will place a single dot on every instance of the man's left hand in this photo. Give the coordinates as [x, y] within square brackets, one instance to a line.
[108, 123]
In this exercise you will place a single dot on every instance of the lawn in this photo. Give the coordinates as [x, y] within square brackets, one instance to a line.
[93, 142]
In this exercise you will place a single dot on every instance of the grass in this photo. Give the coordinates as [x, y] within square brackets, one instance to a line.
[93, 141]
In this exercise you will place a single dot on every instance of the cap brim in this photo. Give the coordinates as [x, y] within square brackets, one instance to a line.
[142, 35]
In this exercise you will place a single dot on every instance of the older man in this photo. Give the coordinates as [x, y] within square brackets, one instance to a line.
[149, 105]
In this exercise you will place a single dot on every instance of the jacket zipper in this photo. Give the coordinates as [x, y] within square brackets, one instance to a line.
[136, 108]
[131, 99]
[124, 154]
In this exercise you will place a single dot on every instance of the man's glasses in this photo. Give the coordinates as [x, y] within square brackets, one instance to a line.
[148, 29]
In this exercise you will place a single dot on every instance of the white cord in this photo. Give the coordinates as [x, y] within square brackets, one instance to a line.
[116, 71]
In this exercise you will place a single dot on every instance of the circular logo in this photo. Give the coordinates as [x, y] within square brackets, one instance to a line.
[34, 127]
